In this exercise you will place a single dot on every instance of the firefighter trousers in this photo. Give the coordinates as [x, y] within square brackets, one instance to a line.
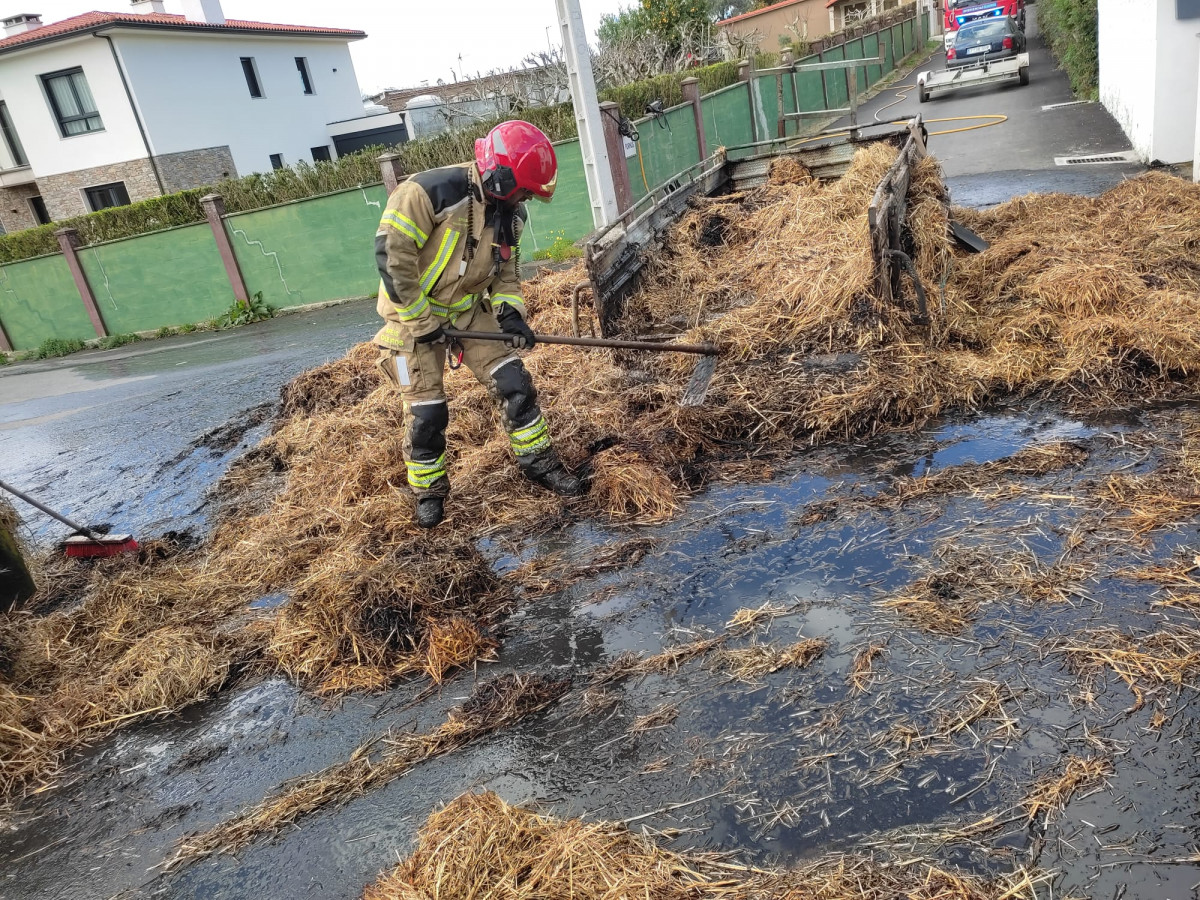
[417, 371]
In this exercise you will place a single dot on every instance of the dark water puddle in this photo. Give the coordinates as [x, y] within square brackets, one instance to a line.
[785, 768]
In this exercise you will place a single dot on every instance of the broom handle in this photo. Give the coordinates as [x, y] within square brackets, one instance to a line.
[654, 346]
[86, 532]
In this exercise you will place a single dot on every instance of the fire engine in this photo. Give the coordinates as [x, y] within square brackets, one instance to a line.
[957, 12]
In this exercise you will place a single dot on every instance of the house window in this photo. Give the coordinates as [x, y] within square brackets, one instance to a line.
[250, 69]
[41, 215]
[321, 154]
[72, 102]
[305, 77]
[276, 160]
[853, 13]
[105, 196]
[15, 150]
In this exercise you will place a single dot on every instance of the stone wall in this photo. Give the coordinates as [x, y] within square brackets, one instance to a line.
[15, 214]
[64, 193]
[195, 168]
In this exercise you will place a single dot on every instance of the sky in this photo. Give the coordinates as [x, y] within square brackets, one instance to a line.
[409, 41]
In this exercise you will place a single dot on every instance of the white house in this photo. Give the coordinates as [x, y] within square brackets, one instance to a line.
[107, 108]
[1149, 72]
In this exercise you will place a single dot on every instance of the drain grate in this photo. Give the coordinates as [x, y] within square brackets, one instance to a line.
[1097, 159]
[1051, 106]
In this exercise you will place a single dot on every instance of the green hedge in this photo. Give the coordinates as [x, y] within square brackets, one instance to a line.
[1070, 29]
[299, 182]
[107, 225]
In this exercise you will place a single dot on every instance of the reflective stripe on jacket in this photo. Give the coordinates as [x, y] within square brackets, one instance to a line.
[430, 269]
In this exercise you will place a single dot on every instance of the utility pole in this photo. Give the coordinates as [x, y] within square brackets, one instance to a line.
[596, 168]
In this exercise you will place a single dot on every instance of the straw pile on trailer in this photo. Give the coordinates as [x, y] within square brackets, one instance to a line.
[1092, 301]
[479, 846]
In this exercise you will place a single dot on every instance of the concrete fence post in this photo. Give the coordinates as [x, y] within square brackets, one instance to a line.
[68, 240]
[744, 70]
[214, 211]
[610, 115]
[691, 94]
[392, 171]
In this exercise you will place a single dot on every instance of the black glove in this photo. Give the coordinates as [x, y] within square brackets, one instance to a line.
[511, 323]
[437, 336]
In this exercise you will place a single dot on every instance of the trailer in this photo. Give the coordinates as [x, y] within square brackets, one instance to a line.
[616, 255]
[998, 71]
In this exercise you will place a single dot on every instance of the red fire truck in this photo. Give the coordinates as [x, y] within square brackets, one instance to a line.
[957, 12]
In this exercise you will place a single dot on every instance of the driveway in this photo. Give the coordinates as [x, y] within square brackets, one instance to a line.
[987, 165]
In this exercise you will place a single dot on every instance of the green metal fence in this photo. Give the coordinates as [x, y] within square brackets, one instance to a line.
[726, 123]
[164, 278]
[310, 251]
[38, 300]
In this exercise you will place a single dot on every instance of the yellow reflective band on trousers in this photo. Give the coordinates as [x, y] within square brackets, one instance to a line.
[438, 266]
[424, 475]
[405, 225]
[531, 438]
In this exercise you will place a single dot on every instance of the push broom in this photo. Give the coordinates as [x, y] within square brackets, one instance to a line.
[84, 543]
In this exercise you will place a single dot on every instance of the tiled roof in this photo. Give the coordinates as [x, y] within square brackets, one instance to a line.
[759, 12]
[93, 20]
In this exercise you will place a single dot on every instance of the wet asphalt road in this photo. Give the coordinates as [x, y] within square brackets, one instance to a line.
[112, 437]
[107, 437]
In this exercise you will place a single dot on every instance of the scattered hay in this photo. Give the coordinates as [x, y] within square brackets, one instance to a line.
[478, 846]
[141, 645]
[661, 716]
[752, 663]
[165, 670]
[1183, 587]
[862, 669]
[747, 619]
[631, 664]
[550, 574]
[1028, 462]
[1092, 301]
[1051, 794]
[594, 701]
[1170, 657]
[494, 705]
[1169, 495]
[963, 579]
[982, 704]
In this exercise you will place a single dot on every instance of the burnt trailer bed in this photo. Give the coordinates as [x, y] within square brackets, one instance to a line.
[616, 255]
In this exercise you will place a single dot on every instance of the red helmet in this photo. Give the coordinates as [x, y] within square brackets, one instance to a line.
[514, 157]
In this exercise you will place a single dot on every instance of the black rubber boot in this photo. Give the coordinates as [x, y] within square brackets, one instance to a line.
[548, 471]
[430, 511]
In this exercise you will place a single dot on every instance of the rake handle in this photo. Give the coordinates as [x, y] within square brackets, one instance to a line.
[653, 346]
[79, 529]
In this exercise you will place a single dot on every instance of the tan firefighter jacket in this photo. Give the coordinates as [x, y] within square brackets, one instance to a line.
[434, 250]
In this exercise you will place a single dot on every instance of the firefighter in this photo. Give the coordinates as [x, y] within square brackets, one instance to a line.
[447, 252]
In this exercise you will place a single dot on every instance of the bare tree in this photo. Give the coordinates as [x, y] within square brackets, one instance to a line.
[739, 45]
[540, 80]
[634, 56]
